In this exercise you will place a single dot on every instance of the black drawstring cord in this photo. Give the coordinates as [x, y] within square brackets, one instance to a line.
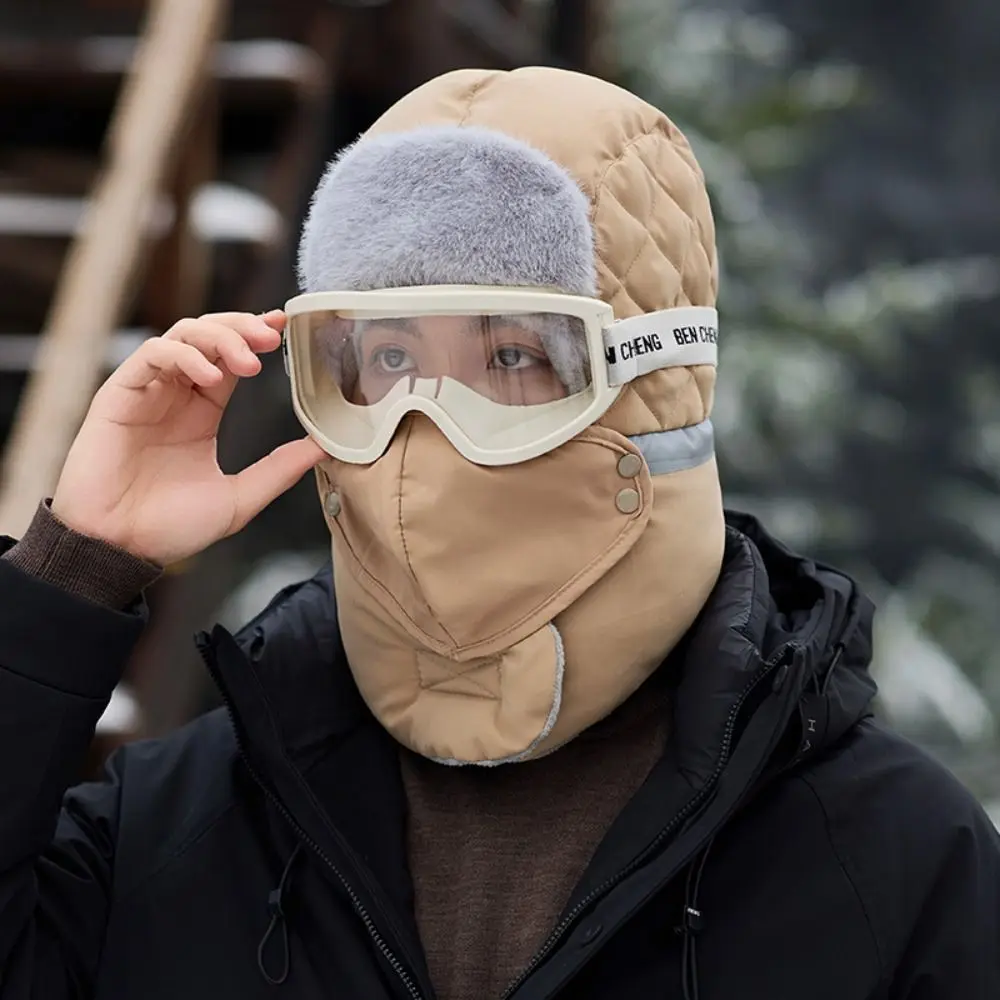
[275, 900]
[838, 652]
[692, 923]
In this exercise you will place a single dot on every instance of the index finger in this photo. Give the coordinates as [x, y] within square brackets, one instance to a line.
[274, 318]
[262, 335]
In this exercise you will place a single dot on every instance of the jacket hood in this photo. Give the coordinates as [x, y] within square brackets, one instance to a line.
[781, 634]
[783, 644]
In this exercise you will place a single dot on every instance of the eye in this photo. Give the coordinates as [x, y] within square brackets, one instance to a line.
[392, 360]
[514, 359]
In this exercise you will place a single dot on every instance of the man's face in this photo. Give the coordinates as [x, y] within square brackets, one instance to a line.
[501, 358]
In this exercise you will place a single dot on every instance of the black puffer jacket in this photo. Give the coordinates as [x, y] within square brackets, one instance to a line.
[785, 847]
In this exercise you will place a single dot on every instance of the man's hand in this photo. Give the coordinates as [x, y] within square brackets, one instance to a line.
[143, 472]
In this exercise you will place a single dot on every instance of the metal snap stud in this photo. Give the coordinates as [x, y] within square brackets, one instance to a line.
[332, 503]
[627, 501]
[629, 466]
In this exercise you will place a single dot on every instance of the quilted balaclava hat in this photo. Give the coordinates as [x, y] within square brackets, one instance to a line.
[491, 614]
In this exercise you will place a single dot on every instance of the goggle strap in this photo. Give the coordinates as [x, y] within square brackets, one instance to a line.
[670, 338]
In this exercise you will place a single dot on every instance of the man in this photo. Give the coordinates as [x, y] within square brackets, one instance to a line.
[553, 726]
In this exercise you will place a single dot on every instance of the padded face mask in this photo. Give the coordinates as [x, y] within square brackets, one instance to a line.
[449, 576]
[455, 584]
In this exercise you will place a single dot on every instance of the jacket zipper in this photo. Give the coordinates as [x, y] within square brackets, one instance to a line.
[686, 811]
[304, 837]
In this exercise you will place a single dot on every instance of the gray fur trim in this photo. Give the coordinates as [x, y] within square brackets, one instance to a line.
[446, 205]
[568, 355]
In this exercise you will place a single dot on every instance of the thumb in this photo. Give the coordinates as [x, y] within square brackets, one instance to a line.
[258, 484]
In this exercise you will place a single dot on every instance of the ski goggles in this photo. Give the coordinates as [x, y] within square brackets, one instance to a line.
[506, 374]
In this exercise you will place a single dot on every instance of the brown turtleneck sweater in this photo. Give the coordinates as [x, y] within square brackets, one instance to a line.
[494, 852]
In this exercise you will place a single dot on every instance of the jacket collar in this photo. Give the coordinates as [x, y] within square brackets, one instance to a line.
[775, 669]
[767, 600]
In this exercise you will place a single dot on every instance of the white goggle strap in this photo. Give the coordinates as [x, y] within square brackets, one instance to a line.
[670, 338]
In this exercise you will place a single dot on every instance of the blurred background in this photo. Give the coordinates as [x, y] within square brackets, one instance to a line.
[156, 160]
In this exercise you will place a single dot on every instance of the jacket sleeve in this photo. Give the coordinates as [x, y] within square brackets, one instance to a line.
[60, 658]
[953, 947]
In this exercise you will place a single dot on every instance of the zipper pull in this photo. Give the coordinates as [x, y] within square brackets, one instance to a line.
[278, 921]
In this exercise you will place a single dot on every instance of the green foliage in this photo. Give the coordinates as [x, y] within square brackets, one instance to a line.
[834, 394]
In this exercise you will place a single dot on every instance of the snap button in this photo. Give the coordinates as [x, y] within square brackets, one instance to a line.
[591, 934]
[627, 501]
[629, 466]
[332, 503]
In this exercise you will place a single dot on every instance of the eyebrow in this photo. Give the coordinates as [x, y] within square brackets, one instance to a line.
[409, 325]
[405, 324]
[521, 321]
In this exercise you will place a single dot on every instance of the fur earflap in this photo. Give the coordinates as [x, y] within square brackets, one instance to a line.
[446, 205]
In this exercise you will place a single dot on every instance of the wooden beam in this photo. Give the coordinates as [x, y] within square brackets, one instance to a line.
[574, 30]
[499, 32]
[166, 672]
[182, 263]
[19, 351]
[95, 289]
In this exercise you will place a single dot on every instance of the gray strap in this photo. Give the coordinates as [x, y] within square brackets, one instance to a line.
[673, 451]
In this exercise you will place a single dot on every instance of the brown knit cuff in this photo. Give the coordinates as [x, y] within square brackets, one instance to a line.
[78, 564]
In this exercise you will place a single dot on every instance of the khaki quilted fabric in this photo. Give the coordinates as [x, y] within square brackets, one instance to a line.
[653, 228]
